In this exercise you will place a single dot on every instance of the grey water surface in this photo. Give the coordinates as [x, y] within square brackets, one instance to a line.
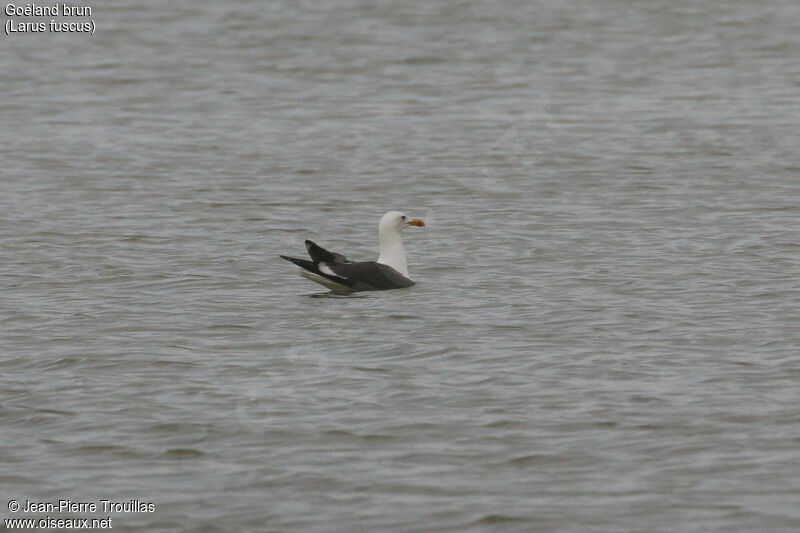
[604, 336]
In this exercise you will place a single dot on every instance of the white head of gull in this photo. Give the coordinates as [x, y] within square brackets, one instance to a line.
[392, 252]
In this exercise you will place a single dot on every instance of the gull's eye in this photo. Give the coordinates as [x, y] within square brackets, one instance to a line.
[403, 217]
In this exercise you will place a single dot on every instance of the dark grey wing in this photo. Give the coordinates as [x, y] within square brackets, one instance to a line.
[302, 263]
[367, 275]
[320, 254]
[314, 267]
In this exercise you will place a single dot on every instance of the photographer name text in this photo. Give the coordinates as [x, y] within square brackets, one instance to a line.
[70, 506]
